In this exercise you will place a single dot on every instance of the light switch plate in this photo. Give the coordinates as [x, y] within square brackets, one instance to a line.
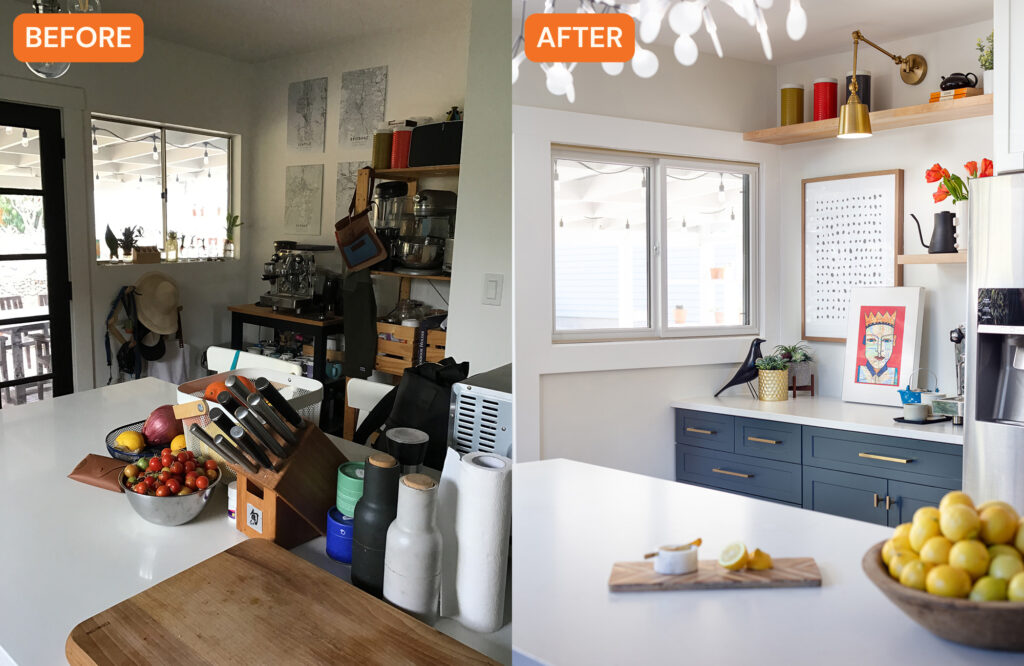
[492, 288]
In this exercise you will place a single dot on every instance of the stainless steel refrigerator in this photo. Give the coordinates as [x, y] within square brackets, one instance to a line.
[994, 423]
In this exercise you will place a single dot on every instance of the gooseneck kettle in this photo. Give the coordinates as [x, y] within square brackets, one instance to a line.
[943, 231]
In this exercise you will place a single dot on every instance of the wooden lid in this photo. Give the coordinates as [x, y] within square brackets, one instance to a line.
[382, 459]
[418, 481]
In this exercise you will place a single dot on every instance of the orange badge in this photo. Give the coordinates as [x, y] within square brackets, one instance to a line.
[580, 37]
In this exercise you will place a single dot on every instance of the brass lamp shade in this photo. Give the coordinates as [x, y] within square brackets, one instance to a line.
[854, 121]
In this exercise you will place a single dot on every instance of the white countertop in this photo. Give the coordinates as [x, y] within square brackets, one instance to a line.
[71, 550]
[828, 413]
[572, 521]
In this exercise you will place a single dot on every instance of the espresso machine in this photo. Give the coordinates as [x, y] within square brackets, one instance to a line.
[293, 276]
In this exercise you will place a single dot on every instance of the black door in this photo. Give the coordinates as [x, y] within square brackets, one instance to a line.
[35, 294]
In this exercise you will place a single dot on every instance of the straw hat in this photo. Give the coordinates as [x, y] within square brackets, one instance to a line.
[156, 301]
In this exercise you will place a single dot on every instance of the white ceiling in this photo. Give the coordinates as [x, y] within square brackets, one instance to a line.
[829, 24]
[259, 30]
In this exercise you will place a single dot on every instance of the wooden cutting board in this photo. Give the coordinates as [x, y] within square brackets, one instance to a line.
[258, 603]
[787, 572]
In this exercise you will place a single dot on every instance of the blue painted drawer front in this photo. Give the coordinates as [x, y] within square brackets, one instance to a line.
[765, 478]
[704, 429]
[768, 439]
[909, 497]
[844, 494]
[849, 451]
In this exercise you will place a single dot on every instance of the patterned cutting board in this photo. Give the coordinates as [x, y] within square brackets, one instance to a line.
[788, 572]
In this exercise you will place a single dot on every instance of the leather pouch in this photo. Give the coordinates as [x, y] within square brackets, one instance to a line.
[99, 471]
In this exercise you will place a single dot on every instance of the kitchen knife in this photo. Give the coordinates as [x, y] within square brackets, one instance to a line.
[205, 438]
[228, 402]
[278, 402]
[224, 422]
[267, 413]
[246, 443]
[237, 389]
[253, 424]
[221, 442]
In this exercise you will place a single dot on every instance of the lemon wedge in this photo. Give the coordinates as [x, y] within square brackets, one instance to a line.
[733, 556]
[759, 560]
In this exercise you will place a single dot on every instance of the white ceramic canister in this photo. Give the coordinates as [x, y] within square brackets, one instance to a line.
[675, 560]
[412, 555]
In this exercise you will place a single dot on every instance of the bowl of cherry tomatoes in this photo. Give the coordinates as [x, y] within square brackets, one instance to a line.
[170, 488]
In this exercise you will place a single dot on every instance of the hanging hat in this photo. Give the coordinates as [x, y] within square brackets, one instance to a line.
[156, 301]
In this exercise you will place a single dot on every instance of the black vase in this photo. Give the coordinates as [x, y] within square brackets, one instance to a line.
[373, 515]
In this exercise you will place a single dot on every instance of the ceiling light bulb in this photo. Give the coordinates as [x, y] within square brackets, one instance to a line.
[796, 20]
[84, 6]
[206, 154]
[24, 138]
[645, 63]
[612, 68]
[518, 60]
[732, 214]
[685, 50]
[627, 224]
[561, 222]
[95, 145]
[97, 176]
[685, 17]
[652, 12]
[156, 153]
[721, 188]
[209, 173]
[48, 70]
[558, 79]
[177, 179]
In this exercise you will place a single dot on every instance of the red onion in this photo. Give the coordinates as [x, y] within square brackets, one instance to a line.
[161, 426]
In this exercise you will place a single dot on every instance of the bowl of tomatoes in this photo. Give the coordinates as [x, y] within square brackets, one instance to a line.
[170, 488]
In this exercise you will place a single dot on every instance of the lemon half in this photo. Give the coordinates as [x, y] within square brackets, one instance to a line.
[733, 556]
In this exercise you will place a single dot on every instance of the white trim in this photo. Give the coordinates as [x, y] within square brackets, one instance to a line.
[536, 354]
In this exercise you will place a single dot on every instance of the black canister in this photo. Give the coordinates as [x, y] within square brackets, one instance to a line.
[373, 515]
[409, 446]
[863, 87]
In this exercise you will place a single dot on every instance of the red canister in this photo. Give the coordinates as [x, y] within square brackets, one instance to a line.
[400, 148]
[825, 96]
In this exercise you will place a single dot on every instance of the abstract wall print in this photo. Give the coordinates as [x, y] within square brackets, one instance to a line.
[363, 93]
[307, 114]
[883, 338]
[852, 234]
[348, 174]
[303, 199]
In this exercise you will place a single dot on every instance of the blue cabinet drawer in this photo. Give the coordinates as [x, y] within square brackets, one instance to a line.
[745, 474]
[704, 429]
[844, 494]
[768, 439]
[889, 457]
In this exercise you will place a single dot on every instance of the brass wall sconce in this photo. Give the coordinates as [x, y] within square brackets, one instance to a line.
[854, 121]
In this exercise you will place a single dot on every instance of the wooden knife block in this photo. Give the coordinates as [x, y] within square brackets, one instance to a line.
[289, 506]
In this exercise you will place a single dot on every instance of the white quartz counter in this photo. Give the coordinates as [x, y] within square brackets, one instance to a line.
[828, 413]
[572, 521]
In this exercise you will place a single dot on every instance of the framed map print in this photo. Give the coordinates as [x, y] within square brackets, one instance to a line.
[852, 234]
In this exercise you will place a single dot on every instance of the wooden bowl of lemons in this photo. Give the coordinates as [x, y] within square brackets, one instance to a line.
[958, 573]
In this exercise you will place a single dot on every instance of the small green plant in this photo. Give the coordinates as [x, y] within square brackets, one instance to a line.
[232, 224]
[129, 239]
[773, 362]
[798, 353]
[985, 52]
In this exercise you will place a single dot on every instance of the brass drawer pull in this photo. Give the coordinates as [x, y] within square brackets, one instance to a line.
[763, 441]
[888, 502]
[876, 499]
[701, 431]
[725, 471]
[872, 456]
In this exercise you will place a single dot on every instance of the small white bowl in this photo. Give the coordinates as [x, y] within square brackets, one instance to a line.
[915, 412]
[676, 560]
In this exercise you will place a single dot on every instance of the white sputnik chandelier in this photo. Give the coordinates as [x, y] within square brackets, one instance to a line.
[685, 19]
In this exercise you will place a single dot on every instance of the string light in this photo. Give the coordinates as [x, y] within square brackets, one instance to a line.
[206, 154]
[24, 138]
[95, 143]
[156, 152]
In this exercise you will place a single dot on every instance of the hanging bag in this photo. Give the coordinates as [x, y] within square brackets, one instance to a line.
[360, 247]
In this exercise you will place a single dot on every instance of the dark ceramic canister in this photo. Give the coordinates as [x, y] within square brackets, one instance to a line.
[373, 515]
[863, 87]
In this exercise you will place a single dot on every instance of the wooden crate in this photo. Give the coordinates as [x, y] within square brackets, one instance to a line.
[397, 354]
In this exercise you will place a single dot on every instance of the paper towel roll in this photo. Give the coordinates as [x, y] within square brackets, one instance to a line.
[475, 516]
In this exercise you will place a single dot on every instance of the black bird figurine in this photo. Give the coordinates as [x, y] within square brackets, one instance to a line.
[747, 370]
[111, 241]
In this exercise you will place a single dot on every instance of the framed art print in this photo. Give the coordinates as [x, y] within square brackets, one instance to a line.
[883, 339]
[852, 234]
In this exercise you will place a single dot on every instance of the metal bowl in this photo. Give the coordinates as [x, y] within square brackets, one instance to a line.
[171, 510]
[422, 252]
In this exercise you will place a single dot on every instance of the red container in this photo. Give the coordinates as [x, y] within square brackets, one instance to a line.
[400, 148]
[825, 98]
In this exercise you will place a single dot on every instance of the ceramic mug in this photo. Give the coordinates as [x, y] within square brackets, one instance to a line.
[915, 412]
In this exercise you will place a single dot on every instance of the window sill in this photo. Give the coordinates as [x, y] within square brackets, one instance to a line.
[645, 353]
[164, 262]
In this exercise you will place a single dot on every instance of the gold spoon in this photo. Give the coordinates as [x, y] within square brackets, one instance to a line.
[695, 542]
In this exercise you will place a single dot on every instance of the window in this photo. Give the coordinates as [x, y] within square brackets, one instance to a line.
[132, 161]
[648, 246]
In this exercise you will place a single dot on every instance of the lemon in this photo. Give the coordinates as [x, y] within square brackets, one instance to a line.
[1019, 541]
[1004, 549]
[1013, 512]
[921, 532]
[129, 440]
[959, 522]
[733, 556]
[178, 443]
[902, 530]
[971, 556]
[946, 581]
[899, 561]
[955, 497]
[893, 546]
[759, 560]
[988, 588]
[936, 550]
[926, 514]
[914, 574]
[1005, 567]
[997, 525]
[1015, 589]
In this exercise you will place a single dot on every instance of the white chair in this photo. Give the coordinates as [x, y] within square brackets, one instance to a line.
[221, 359]
[360, 397]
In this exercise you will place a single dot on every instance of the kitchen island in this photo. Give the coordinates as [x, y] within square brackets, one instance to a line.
[71, 550]
[572, 521]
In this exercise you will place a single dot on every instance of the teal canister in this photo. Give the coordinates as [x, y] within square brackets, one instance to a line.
[350, 487]
[373, 515]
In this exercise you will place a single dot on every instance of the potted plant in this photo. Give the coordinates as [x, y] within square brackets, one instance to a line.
[799, 359]
[985, 61]
[952, 185]
[171, 246]
[772, 378]
[129, 240]
[229, 235]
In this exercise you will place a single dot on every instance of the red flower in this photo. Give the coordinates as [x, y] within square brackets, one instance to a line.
[986, 168]
[972, 169]
[941, 193]
[934, 174]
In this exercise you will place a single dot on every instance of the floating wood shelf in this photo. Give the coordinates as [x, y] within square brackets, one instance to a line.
[945, 258]
[414, 173]
[442, 278]
[907, 116]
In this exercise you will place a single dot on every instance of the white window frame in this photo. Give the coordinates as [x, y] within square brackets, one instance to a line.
[657, 260]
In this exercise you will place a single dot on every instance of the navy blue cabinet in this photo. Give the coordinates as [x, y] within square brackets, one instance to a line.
[844, 494]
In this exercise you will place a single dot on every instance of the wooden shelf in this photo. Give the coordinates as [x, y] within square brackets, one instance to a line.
[414, 173]
[907, 116]
[945, 258]
[442, 278]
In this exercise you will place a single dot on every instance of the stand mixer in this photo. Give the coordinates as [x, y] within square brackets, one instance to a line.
[292, 274]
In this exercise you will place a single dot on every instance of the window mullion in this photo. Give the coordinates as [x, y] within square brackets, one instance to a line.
[657, 225]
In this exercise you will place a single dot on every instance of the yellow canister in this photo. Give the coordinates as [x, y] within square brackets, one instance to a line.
[792, 109]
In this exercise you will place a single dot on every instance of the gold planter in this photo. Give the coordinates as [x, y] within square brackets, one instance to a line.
[773, 385]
